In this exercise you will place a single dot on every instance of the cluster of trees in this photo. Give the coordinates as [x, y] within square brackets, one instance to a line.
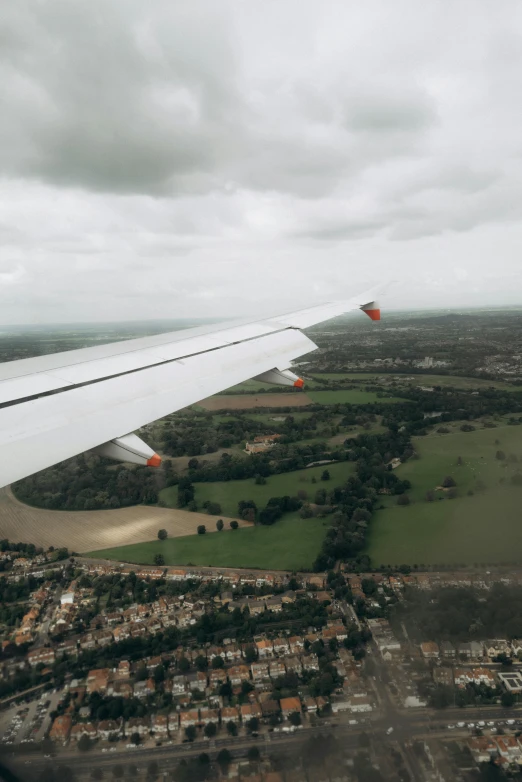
[13, 597]
[355, 501]
[461, 614]
[89, 482]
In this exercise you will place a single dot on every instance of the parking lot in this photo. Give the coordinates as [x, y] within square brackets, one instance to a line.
[28, 722]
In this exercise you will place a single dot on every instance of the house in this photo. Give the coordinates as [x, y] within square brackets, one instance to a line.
[108, 728]
[83, 729]
[217, 676]
[447, 650]
[280, 645]
[264, 648]
[277, 668]
[121, 632]
[229, 714]
[68, 647]
[61, 728]
[160, 725]
[121, 689]
[249, 710]
[274, 604]
[443, 675]
[465, 676]
[103, 637]
[293, 664]
[123, 670]
[196, 681]
[269, 707]
[179, 684]
[232, 652]
[41, 655]
[429, 650]
[98, 680]
[471, 650]
[495, 646]
[238, 673]
[290, 706]
[310, 705]
[310, 662]
[296, 644]
[208, 715]
[259, 671]
[360, 703]
[144, 688]
[482, 748]
[187, 718]
[139, 725]
[173, 721]
[509, 748]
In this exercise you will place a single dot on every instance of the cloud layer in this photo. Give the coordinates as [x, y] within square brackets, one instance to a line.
[161, 159]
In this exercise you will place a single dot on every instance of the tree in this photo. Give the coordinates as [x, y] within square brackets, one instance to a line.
[452, 493]
[234, 525]
[135, 738]
[118, 771]
[84, 743]
[201, 529]
[224, 758]
[253, 754]
[201, 662]
[295, 718]
[325, 476]
[213, 508]
[159, 559]
[500, 455]
[162, 534]
[210, 730]
[253, 725]
[507, 699]
[153, 769]
[232, 728]
[460, 461]
[403, 499]
[218, 662]
[190, 732]
[449, 482]
[183, 664]
[429, 496]
[250, 654]
[219, 525]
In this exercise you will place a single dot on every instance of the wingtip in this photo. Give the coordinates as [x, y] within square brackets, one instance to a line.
[154, 461]
[373, 314]
[299, 383]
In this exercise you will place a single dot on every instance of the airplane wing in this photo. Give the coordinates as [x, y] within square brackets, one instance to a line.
[56, 406]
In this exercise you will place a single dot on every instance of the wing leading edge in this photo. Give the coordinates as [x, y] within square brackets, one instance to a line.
[56, 406]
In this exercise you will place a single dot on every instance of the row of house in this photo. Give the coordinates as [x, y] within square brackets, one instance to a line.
[472, 650]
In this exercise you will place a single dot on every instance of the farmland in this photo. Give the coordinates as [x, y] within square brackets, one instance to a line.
[454, 381]
[85, 530]
[290, 544]
[249, 401]
[481, 527]
[230, 493]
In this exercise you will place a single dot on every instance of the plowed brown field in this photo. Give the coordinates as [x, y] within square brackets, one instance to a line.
[249, 401]
[95, 529]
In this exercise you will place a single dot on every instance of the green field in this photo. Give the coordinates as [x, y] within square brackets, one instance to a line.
[409, 379]
[290, 544]
[349, 397]
[229, 493]
[483, 528]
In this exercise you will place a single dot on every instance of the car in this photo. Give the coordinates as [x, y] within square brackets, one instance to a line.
[491, 724]
[390, 730]
[451, 727]
[481, 724]
[461, 724]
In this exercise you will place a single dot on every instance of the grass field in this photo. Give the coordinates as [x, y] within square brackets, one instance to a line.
[485, 527]
[229, 493]
[290, 544]
[409, 379]
[349, 397]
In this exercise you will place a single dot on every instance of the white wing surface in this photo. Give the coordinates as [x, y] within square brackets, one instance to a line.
[56, 406]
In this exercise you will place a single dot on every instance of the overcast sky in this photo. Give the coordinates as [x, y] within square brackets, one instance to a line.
[172, 159]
